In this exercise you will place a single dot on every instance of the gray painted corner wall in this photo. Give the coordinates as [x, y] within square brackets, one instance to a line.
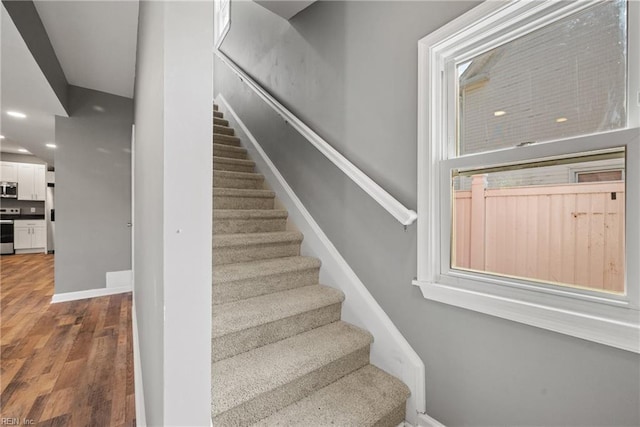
[93, 190]
[349, 70]
[173, 203]
[148, 293]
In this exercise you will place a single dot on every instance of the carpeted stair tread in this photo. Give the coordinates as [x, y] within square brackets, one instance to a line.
[215, 107]
[226, 160]
[242, 192]
[251, 312]
[263, 267]
[249, 213]
[366, 397]
[229, 151]
[234, 221]
[237, 165]
[249, 239]
[231, 179]
[220, 121]
[254, 322]
[217, 114]
[219, 138]
[233, 282]
[225, 130]
[257, 383]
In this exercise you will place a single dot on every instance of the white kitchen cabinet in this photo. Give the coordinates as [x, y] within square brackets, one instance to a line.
[31, 182]
[8, 171]
[40, 183]
[21, 237]
[29, 234]
[39, 237]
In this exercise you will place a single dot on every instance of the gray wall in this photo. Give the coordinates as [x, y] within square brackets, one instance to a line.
[349, 70]
[148, 294]
[173, 171]
[93, 190]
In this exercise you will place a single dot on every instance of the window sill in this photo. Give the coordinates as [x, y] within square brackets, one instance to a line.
[624, 335]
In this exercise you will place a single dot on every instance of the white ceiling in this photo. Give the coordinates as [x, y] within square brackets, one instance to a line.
[95, 42]
[24, 88]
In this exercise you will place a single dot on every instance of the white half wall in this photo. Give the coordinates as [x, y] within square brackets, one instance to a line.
[173, 210]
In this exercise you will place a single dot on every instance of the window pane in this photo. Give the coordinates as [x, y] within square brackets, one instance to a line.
[537, 223]
[615, 175]
[566, 79]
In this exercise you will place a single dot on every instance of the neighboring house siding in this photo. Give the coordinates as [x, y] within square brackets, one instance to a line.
[548, 175]
[574, 69]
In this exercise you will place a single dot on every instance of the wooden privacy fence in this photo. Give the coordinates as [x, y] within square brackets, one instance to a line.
[570, 233]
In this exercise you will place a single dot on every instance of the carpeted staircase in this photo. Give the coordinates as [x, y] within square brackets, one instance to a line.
[281, 356]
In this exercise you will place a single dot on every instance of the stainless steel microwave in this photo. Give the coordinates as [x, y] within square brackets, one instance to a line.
[9, 190]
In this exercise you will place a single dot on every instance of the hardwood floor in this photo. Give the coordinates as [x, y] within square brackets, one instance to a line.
[64, 364]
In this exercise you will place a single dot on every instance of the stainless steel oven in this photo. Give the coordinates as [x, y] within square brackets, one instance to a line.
[8, 190]
[7, 215]
[6, 236]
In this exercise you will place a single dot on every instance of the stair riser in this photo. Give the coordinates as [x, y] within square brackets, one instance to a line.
[218, 166]
[274, 400]
[248, 288]
[226, 202]
[234, 254]
[236, 343]
[223, 130]
[249, 184]
[226, 140]
[253, 225]
[221, 122]
[217, 114]
[393, 418]
[234, 154]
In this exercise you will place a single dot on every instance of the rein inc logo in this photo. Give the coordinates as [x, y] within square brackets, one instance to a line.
[8, 421]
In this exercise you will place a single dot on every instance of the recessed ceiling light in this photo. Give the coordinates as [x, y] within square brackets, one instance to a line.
[561, 119]
[499, 113]
[51, 145]
[17, 114]
[22, 150]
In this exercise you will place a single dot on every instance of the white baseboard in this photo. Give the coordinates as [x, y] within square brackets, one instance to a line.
[30, 251]
[390, 351]
[141, 414]
[425, 420]
[91, 293]
[119, 279]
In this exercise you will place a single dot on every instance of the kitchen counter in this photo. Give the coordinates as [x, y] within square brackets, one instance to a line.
[27, 217]
[41, 216]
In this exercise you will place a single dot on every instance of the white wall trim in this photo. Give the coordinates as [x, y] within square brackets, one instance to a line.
[91, 293]
[425, 420]
[141, 414]
[119, 279]
[404, 215]
[390, 351]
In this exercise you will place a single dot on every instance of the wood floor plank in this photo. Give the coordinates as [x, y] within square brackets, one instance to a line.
[64, 364]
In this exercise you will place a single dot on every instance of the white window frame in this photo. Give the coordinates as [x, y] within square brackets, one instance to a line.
[222, 16]
[607, 319]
